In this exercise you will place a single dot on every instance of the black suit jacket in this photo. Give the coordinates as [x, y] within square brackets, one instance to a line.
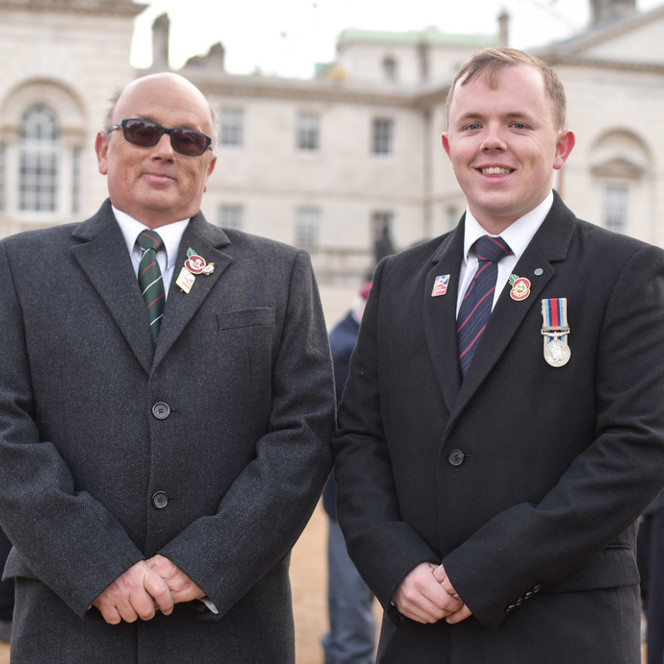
[524, 480]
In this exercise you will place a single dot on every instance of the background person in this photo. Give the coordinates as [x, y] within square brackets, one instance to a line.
[352, 635]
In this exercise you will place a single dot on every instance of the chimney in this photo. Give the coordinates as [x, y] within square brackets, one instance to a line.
[610, 10]
[503, 28]
[160, 36]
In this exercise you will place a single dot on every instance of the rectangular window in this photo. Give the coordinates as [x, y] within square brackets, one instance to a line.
[383, 136]
[616, 207]
[231, 216]
[76, 180]
[232, 127]
[3, 170]
[307, 224]
[307, 132]
[38, 188]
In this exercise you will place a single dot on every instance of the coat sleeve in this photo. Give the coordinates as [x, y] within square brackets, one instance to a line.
[528, 547]
[268, 505]
[66, 538]
[383, 545]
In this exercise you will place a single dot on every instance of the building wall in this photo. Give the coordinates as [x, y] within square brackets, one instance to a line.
[73, 61]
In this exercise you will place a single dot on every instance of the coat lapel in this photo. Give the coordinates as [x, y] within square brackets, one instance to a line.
[549, 245]
[207, 241]
[440, 314]
[102, 254]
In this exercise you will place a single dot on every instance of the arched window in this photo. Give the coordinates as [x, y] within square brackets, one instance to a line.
[619, 163]
[38, 181]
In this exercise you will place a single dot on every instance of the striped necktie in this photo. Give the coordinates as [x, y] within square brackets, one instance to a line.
[478, 300]
[150, 279]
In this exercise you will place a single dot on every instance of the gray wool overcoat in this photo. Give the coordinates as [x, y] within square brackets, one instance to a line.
[212, 453]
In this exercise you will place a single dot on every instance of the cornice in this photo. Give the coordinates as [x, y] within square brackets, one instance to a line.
[560, 59]
[311, 90]
[600, 34]
[84, 7]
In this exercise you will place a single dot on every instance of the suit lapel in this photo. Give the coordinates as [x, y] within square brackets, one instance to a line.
[440, 315]
[549, 245]
[104, 259]
[206, 240]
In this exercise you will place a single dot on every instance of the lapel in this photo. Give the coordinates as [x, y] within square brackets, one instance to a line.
[549, 245]
[439, 314]
[102, 254]
[101, 251]
[207, 240]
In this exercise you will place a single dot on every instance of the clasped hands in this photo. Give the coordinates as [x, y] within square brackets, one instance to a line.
[426, 596]
[148, 586]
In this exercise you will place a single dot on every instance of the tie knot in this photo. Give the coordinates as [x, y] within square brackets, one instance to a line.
[149, 240]
[491, 248]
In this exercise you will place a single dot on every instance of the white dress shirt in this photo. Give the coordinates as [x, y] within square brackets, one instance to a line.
[517, 235]
[171, 234]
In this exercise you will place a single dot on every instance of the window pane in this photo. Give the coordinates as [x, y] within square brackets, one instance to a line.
[76, 181]
[307, 223]
[383, 131]
[616, 207]
[307, 131]
[3, 170]
[38, 161]
[232, 125]
[230, 216]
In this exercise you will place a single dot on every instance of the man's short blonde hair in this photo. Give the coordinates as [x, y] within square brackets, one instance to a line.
[490, 61]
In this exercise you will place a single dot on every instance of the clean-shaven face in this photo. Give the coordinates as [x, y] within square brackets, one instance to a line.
[504, 145]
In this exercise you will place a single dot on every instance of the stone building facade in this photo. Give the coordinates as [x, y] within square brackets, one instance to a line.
[348, 164]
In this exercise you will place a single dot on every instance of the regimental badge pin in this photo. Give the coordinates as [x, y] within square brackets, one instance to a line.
[195, 264]
[440, 285]
[520, 288]
[555, 331]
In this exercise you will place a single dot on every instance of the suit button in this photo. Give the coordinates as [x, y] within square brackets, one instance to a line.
[159, 500]
[456, 457]
[161, 410]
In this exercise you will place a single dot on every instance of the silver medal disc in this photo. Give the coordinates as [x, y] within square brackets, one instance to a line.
[557, 353]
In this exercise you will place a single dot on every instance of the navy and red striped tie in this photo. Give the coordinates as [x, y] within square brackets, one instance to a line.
[478, 300]
[150, 279]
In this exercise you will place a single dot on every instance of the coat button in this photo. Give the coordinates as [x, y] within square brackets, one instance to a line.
[161, 410]
[159, 500]
[456, 457]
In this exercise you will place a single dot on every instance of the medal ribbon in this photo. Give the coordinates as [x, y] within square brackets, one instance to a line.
[554, 319]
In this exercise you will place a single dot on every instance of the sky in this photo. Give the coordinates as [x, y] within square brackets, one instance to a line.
[288, 37]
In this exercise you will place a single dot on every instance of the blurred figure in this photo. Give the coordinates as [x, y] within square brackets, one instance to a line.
[352, 635]
[6, 593]
[651, 567]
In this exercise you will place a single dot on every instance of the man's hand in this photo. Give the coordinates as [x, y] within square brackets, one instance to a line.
[181, 587]
[461, 614]
[138, 593]
[422, 598]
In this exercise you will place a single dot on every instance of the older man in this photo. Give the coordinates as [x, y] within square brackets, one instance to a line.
[166, 399]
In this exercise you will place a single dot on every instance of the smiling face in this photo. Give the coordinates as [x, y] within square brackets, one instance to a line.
[157, 185]
[504, 144]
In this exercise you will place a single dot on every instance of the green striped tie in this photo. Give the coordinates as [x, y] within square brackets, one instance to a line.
[150, 280]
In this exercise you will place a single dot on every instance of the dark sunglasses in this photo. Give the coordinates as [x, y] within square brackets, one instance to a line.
[146, 133]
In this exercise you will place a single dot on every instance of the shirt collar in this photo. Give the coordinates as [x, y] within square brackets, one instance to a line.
[171, 234]
[517, 235]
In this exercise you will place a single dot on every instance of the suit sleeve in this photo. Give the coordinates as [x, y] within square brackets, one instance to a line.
[67, 539]
[383, 546]
[607, 486]
[268, 505]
